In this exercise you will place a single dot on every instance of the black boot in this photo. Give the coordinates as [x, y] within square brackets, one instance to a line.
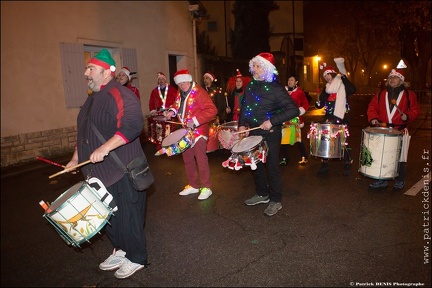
[400, 180]
[324, 168]
[347, 168]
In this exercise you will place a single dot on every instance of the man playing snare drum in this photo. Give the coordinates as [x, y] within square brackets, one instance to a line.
[267, 105]
[114, 113]
[395, 106]
[195, 109]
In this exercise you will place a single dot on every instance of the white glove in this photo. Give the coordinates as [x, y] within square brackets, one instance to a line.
[302, 111]
[404, 117]
[191, 124]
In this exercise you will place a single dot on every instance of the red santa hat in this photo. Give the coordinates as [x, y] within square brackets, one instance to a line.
[397, 73]
[327, 70]
[182, 76]
[238, 73]
[211, 76]
[161, 75]
[267, 59]
[126, 71]
[267, 62]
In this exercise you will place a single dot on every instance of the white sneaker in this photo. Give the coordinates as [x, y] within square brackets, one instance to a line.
[114, 261]
[127, 269]
[205, 193]
[189, 190]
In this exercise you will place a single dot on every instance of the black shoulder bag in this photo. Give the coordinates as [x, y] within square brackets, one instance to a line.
[138, 169]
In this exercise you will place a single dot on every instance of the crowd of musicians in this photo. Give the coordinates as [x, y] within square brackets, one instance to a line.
[256, 119]
[384, 144]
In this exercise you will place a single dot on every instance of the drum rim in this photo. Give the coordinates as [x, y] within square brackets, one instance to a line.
[395, 132]
[71, 197]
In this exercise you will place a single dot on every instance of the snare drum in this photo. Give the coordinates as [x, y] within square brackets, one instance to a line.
[225, 135]
[247, 152]
[79, 213]
[379, 152]
[178, 141]
[327, 140]
[158, 129]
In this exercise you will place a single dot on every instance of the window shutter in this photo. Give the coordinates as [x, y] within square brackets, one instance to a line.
[129, 59]
[73, 66]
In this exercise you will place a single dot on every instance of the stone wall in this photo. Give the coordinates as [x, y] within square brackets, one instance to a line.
[24, 148]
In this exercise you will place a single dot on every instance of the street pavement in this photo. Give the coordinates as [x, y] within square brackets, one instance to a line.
[331, 232]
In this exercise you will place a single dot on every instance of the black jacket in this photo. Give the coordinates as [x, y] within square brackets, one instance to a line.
[266, 100]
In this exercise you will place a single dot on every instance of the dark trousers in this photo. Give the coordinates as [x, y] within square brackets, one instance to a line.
[126, 231]
[267, 177]
[285, 150]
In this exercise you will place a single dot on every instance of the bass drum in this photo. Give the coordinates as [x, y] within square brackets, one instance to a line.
[380, 152]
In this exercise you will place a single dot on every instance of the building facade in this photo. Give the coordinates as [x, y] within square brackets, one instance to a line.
[44, 48]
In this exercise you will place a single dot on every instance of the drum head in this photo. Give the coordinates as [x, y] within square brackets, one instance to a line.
[64, 197]
[383, 130]
[246, 144]
[175, 136]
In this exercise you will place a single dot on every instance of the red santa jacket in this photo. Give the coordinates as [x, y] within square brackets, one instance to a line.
[380, 108]
[158, 101]
[198, 107]
[301, 100]
[134, 89]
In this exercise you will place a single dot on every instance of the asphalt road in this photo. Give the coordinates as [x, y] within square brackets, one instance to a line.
[332, 231]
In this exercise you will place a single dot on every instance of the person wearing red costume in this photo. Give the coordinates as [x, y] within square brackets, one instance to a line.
[395, 106]
[124, 78]
[291, 132]
[161, 97]
[195, 109]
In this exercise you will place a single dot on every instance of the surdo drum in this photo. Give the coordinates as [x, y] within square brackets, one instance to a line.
[380, 152]
[327, 140]
[247, 152]
[81, 211]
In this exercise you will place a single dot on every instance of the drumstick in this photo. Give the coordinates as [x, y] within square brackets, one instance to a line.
[235, 133]
[172, 122]
[50, 162]
[70, 169]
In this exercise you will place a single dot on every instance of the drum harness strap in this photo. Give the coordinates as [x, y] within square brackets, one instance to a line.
[400, 127]
[114, 155]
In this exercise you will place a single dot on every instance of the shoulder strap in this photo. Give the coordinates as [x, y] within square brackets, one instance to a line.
[114, 155]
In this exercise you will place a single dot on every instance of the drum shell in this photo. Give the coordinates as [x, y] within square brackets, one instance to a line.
[327, 142]
[78, 214]
[177, 141]
[383, 146]
[251, 150]
[158, 128]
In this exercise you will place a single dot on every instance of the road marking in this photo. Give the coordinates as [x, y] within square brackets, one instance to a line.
[418, 186]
